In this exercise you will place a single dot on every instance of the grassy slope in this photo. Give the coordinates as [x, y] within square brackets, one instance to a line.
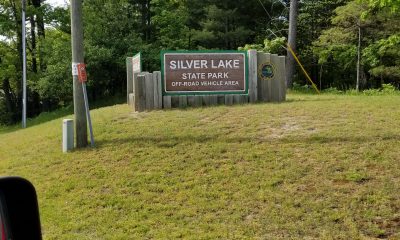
[323, 167]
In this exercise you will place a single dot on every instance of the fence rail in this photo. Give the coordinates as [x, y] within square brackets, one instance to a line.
[144, 90]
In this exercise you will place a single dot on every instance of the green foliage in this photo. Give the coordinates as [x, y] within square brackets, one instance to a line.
[383, 57]
[274, 46]
[169, 21]
[394, 5]
[222, 29]
[339, 43]
[56, 82]
[246, 47]
[387, 89]
[372, 92]
[356, 176]
[303, 89]
[315, 17]
[332, 90]
[380, 49]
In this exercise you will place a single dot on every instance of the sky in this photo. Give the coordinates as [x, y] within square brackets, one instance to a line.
[57, 3]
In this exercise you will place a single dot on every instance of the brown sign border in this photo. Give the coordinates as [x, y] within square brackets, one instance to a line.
[175, 93]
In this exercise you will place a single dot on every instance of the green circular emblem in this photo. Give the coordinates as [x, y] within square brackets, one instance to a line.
[266, 71]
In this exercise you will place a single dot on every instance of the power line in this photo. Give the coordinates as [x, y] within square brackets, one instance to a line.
[272, 19]
[265, 9]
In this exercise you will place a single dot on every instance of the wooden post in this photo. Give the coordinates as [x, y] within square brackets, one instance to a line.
[198, 101]
[259, 86]
[136, 92]
[264, 86]
[157, 90]
[228, 99]
[283, 87]
[213, 100]
[167, 103]
[221, 99]
[252, 76]
[268, 86]
[140, 94]
[237, 99]
[275, 81]
[206, 100]
[174, 101]
[190, 101]
[292, 36]
[245, 99]
[183, 101]
[77, 57]
[129, 78]
[131, 100]
[149, 91]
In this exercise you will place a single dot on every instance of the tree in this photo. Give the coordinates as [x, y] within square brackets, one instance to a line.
[11, 60]
[394, 5]
[314, 17]
[342, 43]
[382, 54]
[222, 28]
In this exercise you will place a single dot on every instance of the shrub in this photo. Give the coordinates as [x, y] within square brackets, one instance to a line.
[332, 90]
[389, 89]
[302, 89]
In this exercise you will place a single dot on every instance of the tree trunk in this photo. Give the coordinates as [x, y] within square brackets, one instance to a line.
[148, 16]
[10, 103]
[18, 28]
[146, 19]
[33, 42]
[290, 64]
[358, 59]
[40, 34]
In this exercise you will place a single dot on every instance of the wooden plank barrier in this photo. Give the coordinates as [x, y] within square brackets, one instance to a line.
[140, 93]
[228, 100]
[275, 84]
[149, 86]
[283, 87]
[157, 90]
[174, 101]
[271, 77]
[190, 101]
[266, 82]
[183, 101]
[167, 103]
[253, 76]
[198, 101]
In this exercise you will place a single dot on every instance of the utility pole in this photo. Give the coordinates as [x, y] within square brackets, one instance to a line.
[290, 64]
[77, 57]
[24, 101]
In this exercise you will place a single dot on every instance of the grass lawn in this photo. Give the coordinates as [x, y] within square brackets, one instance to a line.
[314, 167]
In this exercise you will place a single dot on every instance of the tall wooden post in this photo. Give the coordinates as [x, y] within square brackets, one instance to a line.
[77, 57]
[290, 64]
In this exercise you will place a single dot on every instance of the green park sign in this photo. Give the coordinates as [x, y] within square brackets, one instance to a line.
[204, 72]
